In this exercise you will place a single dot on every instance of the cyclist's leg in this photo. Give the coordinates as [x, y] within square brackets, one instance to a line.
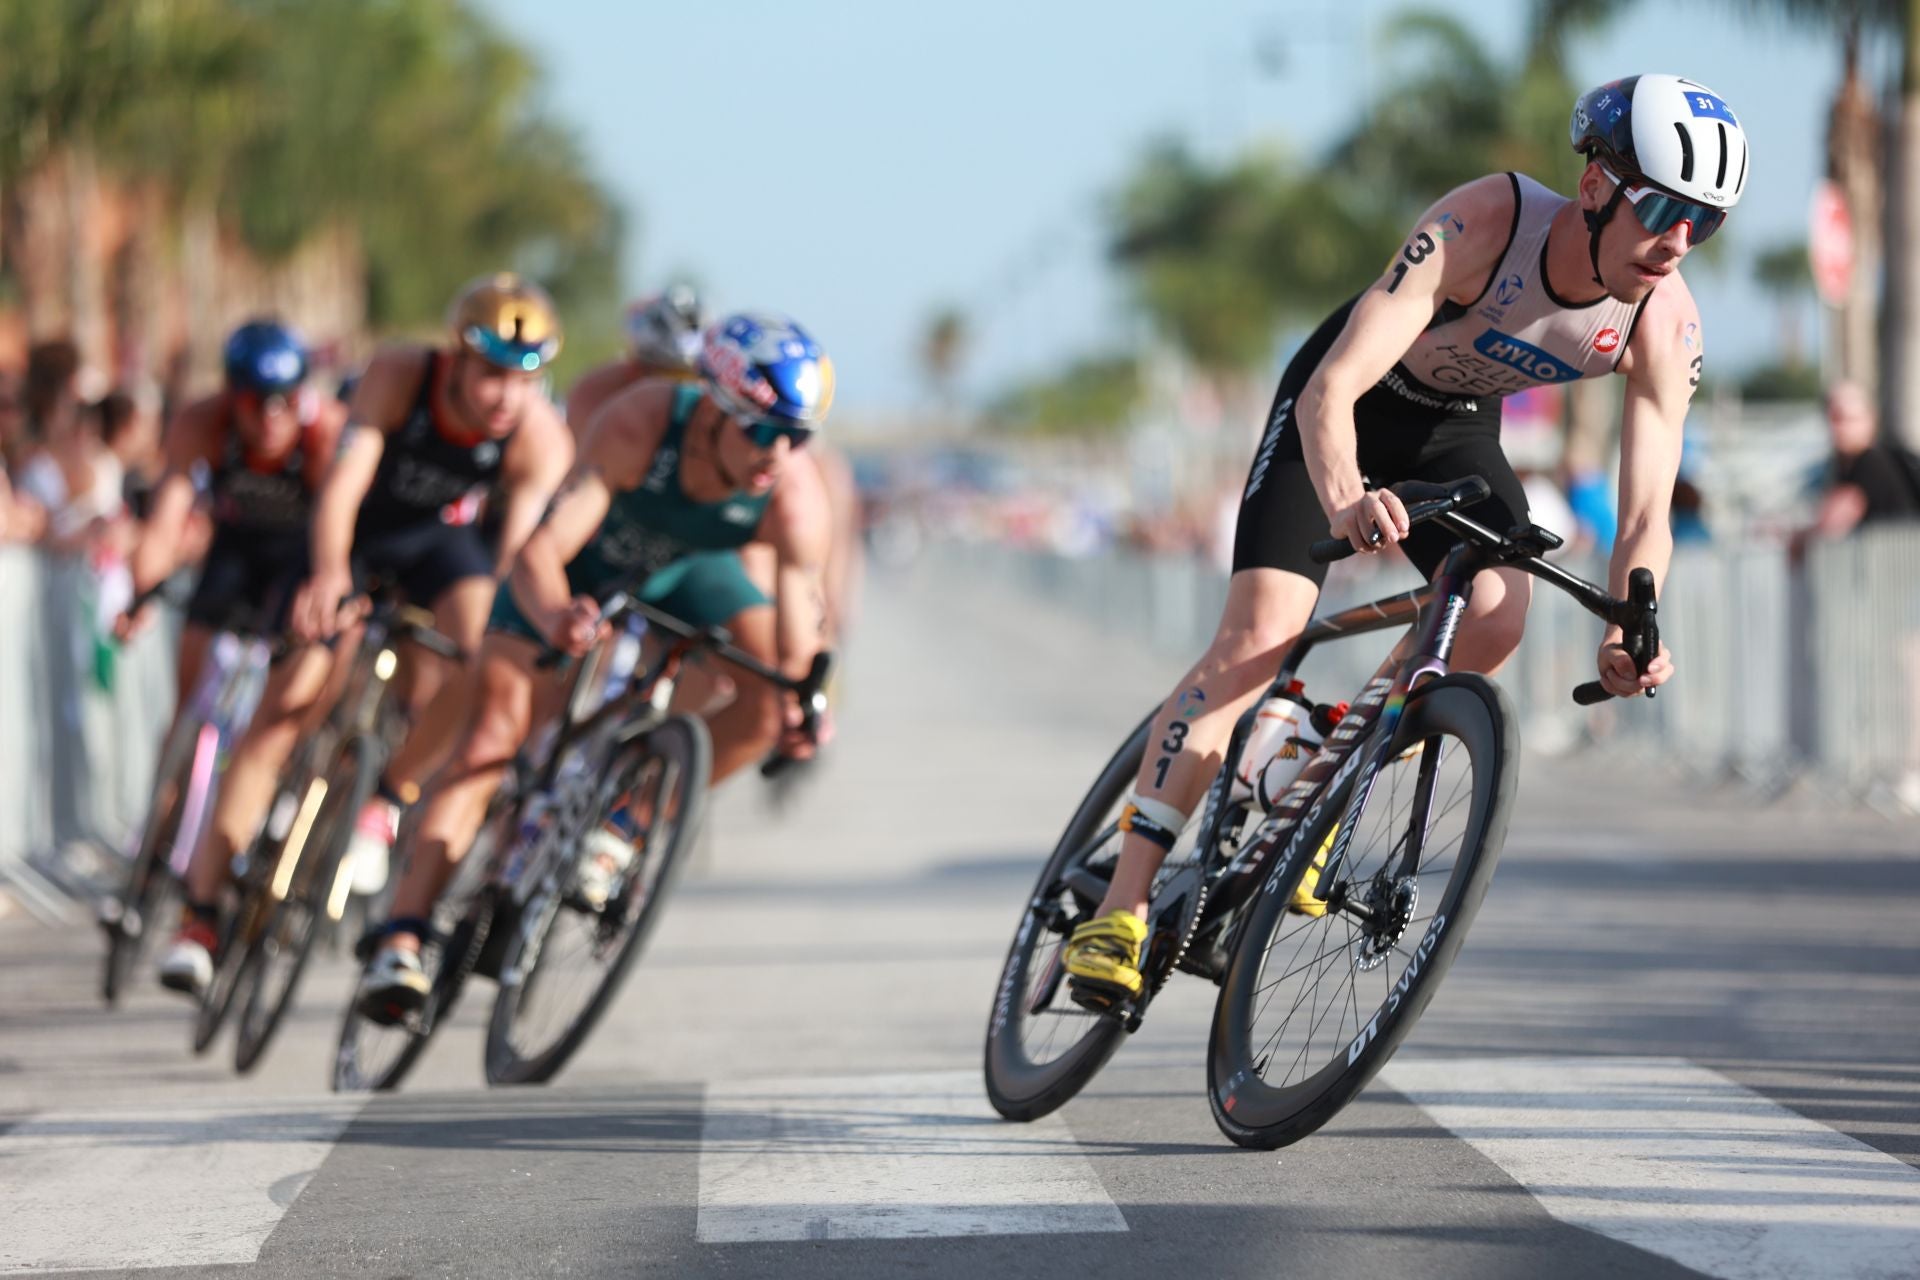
[713, 588]
[1269, 600]
[227, 577]
[253, 766]
[453, 574]
[1497, 615]
[510, 696]
[293, 686]
[447, 568]
[1265, 612]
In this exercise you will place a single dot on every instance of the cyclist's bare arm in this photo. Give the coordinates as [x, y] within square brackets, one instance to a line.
[192, 442]
[536, 462]
[1662, 366]
[1448, 255]
[619, 447]
[799, 526]
[323, 442]
[380, 404]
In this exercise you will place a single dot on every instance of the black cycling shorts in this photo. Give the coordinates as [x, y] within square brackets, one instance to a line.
[248, 569]
[1398, 438]
[425, 558]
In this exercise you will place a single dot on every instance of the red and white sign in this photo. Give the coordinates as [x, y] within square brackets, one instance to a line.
[1830, 243]
[1607, 341]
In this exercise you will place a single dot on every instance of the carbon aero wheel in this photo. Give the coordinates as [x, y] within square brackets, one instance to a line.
[1313, 1006]
[1041, 1047]
[567, 958]
[316, 885]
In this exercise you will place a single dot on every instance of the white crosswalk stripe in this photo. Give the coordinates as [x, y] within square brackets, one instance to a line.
[1680, 1161]
[872, 1157]
[1660, 1154]
[183, 1187]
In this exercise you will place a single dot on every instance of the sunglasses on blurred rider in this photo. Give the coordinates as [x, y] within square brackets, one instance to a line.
[765, 431]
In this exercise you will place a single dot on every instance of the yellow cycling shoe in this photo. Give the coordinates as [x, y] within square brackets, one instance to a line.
[1303, 902]
[1103, 960]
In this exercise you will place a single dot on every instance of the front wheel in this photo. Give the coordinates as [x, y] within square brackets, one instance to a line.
[1041, 1047]
[139, 913]
[569, 953]
[1314, 1004]
[317, 891]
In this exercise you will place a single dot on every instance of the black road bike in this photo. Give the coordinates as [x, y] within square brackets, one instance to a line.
[1328, 921]
[293, 882]
[515, 912]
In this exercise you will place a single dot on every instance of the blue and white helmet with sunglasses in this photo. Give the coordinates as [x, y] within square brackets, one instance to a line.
[758, 366]
[1674, 135]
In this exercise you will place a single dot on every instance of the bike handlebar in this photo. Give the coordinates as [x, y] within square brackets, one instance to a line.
[1637, 615]
[1640, 634]
[810, 689]
[1423, 501]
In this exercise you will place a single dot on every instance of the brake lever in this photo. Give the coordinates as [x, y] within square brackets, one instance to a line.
[1639, 635]
[812, 693]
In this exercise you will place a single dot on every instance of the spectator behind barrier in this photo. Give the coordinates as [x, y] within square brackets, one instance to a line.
[1868, 479]
[1872, 481]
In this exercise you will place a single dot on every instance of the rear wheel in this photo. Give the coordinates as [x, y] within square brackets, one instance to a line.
[1041, 1047]
[1314, 1005]
[316, 895]
[567, 958]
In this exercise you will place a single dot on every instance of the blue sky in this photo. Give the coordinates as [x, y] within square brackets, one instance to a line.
[856, 163]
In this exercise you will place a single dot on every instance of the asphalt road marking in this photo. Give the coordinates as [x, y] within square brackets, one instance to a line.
[1680, 1161]
[180, 1187]
[887, 1157]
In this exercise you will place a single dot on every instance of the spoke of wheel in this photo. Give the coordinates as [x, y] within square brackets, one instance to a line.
[1300, 968]
[1306, 936]
[1314, 1026]
[1307, 990]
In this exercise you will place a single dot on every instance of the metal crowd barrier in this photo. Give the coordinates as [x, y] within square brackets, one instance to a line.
[79, 729]
[1785, 672]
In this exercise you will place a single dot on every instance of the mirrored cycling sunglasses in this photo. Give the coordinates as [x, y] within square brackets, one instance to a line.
[764, 431]
[1659, 211]
[504, 353]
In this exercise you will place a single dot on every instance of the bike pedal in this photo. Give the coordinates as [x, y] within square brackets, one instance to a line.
[1105, 998]
[384, 1015]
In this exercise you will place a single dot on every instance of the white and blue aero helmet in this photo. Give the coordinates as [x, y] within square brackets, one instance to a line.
[1674, 134]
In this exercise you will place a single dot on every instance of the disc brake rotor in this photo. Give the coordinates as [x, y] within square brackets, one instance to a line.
[1392, 912]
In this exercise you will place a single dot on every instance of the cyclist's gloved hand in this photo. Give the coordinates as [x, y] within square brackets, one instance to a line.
[1378, 513]
[579, 626]
[1617, 675]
